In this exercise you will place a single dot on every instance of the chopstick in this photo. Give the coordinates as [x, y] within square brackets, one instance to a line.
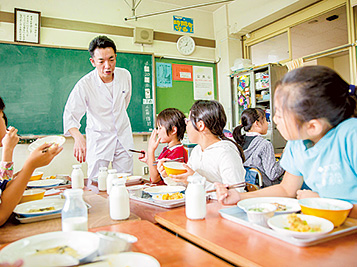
[171, 160]
[229, 187]
[136, 151]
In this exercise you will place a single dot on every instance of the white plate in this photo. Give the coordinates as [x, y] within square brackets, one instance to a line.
[158, 198]
[23, 209]
[84, 243]
[133, 178]
[44, 183]
[164, 189]
[278, 223]
[60, 140]
[132, 259]
[292, 204]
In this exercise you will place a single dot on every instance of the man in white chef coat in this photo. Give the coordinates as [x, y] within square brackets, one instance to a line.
[104, 94]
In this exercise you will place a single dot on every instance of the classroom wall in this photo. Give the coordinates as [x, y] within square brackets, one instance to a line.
[224, 25]
[108, 12]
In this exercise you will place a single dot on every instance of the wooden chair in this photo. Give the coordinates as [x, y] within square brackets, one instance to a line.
[253, 179]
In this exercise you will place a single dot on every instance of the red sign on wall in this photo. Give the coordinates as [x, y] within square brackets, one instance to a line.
[182, 72]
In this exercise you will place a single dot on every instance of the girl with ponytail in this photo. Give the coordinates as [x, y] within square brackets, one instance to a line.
[315, 110]
[215, 157]
[258, 152]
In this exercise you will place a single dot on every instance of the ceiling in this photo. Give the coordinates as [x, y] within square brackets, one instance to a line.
[319, 34]
[185, 3]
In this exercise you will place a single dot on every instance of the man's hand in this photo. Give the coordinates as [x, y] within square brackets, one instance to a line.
[80, 147]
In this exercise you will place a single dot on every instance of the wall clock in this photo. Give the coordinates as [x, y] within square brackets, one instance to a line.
[186, 45]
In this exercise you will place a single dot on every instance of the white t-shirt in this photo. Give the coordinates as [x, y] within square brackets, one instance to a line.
[220, 162]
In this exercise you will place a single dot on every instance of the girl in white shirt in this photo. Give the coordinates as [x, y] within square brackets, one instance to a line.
[215, 157]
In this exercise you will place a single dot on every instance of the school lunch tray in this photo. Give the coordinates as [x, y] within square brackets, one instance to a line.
[40, 218]
[237, 215]
[146, 198]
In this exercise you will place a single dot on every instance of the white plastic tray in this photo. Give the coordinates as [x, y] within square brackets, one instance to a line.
[238, 215]
[146, 198]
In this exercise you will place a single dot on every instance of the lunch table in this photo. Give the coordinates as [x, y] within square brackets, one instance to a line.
[243, 246]
[98, 215]
[167, 248]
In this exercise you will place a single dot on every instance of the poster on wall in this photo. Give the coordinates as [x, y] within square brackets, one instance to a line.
[163, 74]
[27, 26]
[183, 24]
[182, 72]
[203, 87]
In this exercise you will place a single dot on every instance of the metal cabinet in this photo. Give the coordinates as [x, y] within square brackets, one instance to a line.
[255, 88]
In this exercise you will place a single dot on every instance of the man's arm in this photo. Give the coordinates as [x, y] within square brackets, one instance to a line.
[79, 148]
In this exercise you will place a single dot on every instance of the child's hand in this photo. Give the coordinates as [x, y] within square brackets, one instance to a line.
[153, 142]
[161, 169]
[182, 178]
[225, 196]
[10, 139]
[143, 157]
[17, 263]
[300, 194]
[43, 155]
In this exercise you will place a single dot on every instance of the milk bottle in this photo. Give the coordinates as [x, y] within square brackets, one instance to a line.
[119, 206]
[112, 174]
[74, 213]
[77, 177]
[195, 198]
[102, 179]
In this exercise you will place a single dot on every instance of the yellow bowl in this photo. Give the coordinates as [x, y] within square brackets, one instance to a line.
[333, 210]
[36, 176]
[174, 168]
[32, 194]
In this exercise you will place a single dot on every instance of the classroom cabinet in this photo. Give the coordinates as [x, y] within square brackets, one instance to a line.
[255, 88]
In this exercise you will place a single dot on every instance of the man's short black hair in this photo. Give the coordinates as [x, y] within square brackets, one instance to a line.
[101, 42]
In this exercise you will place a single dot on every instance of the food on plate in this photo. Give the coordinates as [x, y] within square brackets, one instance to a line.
[258, 209]
[173, 196]
[42, 209]
[59, 250]
[279, 207]
[299, 225]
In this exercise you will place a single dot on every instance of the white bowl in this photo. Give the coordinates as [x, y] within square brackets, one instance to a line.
[132, 259]
[113, 242]
[84, 243]
[55, 139]
[260, 213]
[291, 204]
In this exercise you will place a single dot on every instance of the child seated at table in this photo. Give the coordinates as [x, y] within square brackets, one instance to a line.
[215, 157]
[171, 130]
[258, 152]
[11, 190]
[315, 110]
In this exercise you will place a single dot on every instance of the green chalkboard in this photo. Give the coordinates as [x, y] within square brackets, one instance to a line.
[180, 95]
[35, 83]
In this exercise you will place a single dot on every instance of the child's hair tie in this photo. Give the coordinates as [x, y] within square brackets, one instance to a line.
[352, 89]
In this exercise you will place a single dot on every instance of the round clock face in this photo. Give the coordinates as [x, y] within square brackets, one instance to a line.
[186, 45]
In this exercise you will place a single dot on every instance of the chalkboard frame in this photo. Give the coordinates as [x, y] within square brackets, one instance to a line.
[13, 100]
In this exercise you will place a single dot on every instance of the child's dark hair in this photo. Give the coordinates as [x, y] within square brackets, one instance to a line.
[2, 107]
[172, 117]
[213, 115]
[314, 92]
[248, 117]
[101, 42]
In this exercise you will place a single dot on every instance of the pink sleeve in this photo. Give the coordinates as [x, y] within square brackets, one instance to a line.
[6, 170]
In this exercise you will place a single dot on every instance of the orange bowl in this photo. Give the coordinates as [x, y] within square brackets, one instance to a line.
[174, 168]
[36, 176]
[333, 210]
[32, 194]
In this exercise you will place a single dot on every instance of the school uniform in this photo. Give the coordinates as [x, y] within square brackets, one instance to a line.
[108, 131]
[330, 166]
